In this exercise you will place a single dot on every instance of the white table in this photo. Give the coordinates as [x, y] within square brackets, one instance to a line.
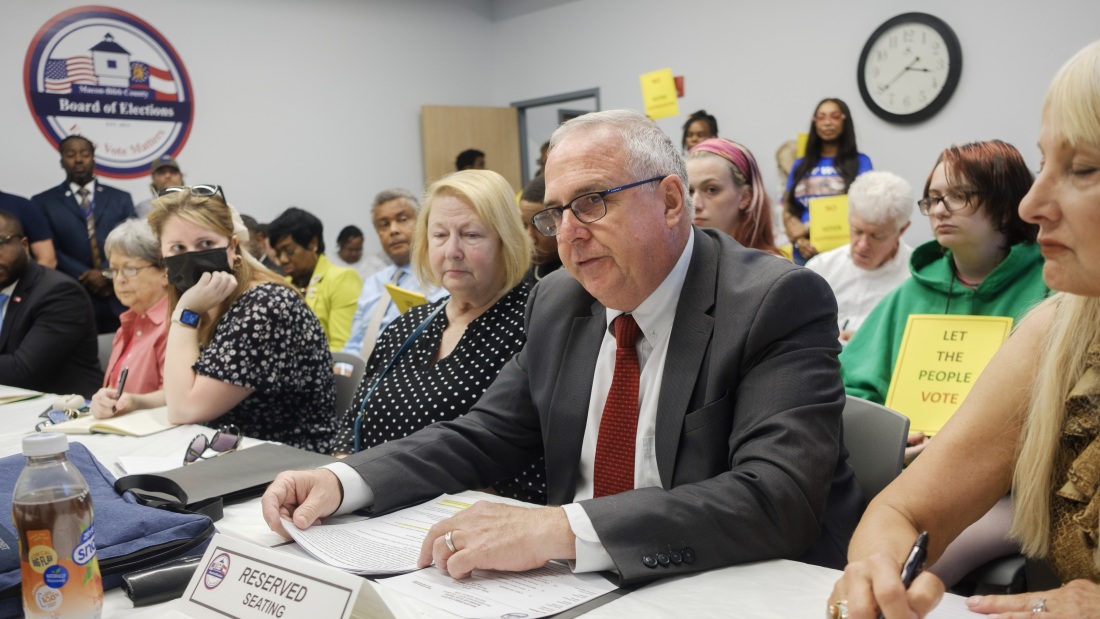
[777, 589]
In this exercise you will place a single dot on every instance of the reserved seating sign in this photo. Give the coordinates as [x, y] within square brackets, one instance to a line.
[829, 222]
[940, 358]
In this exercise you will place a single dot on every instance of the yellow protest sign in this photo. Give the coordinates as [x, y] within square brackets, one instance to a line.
[405, 299]
[829, 222]
[940, 358]
[800, 150]
[659, 94]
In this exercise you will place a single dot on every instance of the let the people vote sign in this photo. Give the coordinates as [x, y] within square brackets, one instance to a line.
[940, 358]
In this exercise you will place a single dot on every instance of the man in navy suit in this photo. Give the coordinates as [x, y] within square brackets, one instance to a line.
[47, 342]
[82, 212]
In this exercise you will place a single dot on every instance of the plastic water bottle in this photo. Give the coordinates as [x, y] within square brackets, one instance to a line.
[52, 510]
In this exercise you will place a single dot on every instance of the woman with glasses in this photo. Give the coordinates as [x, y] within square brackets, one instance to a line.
[140, 282]
[243, 348]
[434, 362]
[832, 161]
[1030, 424]
[728, 193]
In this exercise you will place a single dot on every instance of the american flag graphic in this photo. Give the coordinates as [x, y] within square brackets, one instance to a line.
[62, 73]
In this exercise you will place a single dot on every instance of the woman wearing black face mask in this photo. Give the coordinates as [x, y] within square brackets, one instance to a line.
[243, 348]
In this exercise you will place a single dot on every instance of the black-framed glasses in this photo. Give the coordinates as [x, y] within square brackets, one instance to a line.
[128, 272]
[588, 208]
[225, 440]
[952, 201]
[196, 190]
[4, 240]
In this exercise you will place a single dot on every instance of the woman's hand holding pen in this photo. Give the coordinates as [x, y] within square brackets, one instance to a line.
[874, 584]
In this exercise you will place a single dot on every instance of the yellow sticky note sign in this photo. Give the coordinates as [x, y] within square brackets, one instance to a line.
[405, 299]
[940, 358]
[800, 150]
[659, 94]
[829, 222]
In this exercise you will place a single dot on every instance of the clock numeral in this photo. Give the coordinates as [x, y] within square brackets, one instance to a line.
[893, 41]
[935, 83]
[941, 64]
[908, 35]
[923, 97]
[880, 55]
[874, 71]
[906, 101]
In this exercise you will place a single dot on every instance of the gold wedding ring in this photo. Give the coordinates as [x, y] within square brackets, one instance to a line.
[838, 610]
[450, 542]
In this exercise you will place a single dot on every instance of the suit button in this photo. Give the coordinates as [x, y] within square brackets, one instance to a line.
[662, 558]
[650, 560]
[676, 557]
[689, 555]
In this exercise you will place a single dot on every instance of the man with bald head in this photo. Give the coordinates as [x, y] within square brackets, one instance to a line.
[688, 418]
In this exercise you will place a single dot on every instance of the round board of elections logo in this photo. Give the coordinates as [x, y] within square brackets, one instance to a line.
[111, 77]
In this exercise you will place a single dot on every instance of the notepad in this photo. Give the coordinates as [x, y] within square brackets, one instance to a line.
[15, 394]
[137, 423]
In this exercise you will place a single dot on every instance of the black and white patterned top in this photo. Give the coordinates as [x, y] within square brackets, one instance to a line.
[269, 341]
[417, 393]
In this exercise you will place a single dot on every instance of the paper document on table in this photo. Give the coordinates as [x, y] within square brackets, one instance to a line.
[14, 394]
[385, 545]
[540, 592]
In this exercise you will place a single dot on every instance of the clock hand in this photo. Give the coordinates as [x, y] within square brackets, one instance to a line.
[903, 72]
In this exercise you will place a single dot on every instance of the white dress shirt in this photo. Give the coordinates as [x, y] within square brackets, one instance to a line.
[374, 292]
[858, 290]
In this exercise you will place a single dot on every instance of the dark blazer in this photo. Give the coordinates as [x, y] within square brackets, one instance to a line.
[70, 236]
[748, 439]
[48, 340]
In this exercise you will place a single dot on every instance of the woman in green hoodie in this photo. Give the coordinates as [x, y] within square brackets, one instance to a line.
[984, 261]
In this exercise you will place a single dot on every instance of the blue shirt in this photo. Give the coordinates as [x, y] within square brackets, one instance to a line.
[823, 180]
[374, 287]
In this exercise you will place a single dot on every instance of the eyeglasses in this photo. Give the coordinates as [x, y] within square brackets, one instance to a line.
[129, 272]
[836, 116]
[286, 251]
[952, 201]
[225, 440]
[196, 190]
[588, 208]
[4, 240]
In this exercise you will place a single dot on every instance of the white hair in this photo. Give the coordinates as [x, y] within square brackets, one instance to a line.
[881, 197]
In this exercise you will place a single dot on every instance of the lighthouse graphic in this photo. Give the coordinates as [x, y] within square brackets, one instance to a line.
[108, 64]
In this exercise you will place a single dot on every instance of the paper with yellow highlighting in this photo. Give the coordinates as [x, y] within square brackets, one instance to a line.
[659, 94]
[829, 222]
[940, 358]
[404, 298]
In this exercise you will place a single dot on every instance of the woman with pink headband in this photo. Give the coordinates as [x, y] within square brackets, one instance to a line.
[729, 195]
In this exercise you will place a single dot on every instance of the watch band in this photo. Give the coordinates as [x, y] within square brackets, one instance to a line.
[189, 318]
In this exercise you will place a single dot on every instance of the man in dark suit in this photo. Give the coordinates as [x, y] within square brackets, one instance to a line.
[82, 212]
[47, 339]
[728, 449]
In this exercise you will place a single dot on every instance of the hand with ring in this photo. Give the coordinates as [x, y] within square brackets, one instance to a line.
[1078, 598]
[838, 610]
[873, 585]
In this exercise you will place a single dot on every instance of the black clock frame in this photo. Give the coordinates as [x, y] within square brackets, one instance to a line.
[954, 71]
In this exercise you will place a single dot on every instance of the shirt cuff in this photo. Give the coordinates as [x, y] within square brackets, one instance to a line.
[591, 555]
[357, 494]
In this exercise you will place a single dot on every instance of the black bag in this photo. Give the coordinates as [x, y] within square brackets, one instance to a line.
[129, 536]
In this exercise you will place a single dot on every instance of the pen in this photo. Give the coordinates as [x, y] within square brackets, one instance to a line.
[121, 386]
[914, 563]
[846, 321]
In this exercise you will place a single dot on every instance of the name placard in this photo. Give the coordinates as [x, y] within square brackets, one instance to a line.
[241, 580]
[829, 222]
[659, 94]
[939, 360]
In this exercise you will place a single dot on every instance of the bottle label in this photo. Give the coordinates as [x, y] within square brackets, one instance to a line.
[85, 551]
[53, 584]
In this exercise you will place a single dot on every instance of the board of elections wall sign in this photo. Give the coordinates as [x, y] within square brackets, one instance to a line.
[111, 77]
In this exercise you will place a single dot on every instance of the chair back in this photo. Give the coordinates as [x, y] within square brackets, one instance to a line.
[105, 340]
[348, 369]
[875, 437]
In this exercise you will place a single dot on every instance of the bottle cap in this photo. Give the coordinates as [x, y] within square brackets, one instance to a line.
[45, 444]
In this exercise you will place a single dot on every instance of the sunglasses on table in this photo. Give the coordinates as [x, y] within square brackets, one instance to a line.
[225, 440]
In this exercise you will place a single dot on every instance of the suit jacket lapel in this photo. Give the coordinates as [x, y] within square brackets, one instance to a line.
[687, 348]
[568, 414]
[17, 302]
[71, 201]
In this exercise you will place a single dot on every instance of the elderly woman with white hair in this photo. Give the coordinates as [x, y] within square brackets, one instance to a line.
[140, 281]
[876, 260]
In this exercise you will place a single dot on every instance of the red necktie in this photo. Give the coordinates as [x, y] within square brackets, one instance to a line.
[614, 469]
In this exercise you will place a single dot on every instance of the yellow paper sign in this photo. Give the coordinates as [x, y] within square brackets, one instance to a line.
[659, 94]
[405, 299]
[940, 358]
[829, 222]
[800, 150]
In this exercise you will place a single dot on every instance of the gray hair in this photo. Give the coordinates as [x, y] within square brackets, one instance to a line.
[881, 197]
[649, 151]
[386, 195]
[135, 239]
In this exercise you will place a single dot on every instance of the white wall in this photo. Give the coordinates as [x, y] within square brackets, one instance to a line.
[316, 103]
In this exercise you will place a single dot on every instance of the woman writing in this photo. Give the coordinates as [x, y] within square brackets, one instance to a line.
[1033, 411]
[468, 240]
[728, 193]
[831, 163]
[243, 348]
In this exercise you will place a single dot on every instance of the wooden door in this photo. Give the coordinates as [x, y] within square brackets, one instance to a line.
[447, 130]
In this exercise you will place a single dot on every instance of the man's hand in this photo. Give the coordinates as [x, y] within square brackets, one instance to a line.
[302, 496]
[94, 282]
[494, 536]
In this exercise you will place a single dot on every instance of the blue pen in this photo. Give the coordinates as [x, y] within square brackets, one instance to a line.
[914, 563]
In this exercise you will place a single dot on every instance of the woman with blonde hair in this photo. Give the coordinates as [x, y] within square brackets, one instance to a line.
[1037, 424]
[243, 348]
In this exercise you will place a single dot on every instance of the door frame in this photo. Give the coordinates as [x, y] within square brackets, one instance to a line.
[521, 109]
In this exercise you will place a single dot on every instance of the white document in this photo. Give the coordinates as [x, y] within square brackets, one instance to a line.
[384, 545]
[486, 594]
[137, 465]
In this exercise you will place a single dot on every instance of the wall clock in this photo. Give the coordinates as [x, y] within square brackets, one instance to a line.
[909, 68]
